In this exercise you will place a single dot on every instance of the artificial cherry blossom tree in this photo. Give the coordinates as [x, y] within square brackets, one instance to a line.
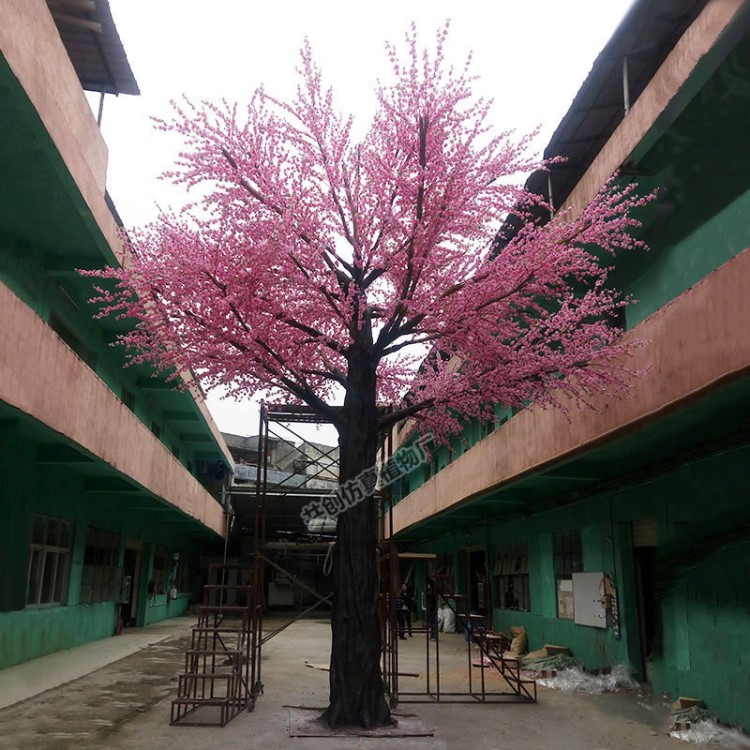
[354, 273]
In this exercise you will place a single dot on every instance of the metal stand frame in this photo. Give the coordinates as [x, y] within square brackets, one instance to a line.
[223, 667]
[521, 689]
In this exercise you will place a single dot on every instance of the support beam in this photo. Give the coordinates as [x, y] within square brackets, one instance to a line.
[195, 438]
[81, 6]
[81, 23]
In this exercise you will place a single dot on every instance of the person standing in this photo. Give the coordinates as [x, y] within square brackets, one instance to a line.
[404, 602]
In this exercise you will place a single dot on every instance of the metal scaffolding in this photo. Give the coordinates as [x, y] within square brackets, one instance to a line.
[223, 667]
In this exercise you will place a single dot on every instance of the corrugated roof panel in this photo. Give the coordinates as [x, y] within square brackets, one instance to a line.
[97, 56]
[645, 36]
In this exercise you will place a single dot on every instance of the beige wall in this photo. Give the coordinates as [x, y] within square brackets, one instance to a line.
[42, 377]
[693, 344]
[32, 47]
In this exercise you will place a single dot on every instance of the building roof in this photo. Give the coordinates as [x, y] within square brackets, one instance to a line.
[645, 36]
[93, 44]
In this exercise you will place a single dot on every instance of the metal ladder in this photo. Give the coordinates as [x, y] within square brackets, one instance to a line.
[219, 677]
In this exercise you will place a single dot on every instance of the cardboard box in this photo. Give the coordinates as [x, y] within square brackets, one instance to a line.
[683, 702]
[553, 650]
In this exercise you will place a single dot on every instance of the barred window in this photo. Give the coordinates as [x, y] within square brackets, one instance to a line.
[49, 562]
[512, 578]
[100, 575]
[568, 554]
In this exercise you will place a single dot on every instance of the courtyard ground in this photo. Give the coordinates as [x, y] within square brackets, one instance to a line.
[126, 703]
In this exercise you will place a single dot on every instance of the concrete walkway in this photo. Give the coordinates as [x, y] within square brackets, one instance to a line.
[126, 704]
[47, 672]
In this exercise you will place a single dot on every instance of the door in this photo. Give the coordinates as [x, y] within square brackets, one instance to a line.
[478, 584]
[644, 555]
[129, 601]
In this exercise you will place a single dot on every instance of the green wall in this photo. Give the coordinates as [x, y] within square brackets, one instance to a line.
[701, 574]
[699, 167]
[674, 264]
[58, 492]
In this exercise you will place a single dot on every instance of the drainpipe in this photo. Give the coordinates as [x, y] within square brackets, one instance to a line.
[625, 85]
[101, 108]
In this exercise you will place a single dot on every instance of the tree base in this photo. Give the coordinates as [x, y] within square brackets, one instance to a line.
[375, 719]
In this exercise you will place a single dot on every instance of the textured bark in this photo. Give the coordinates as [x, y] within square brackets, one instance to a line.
[357, 695]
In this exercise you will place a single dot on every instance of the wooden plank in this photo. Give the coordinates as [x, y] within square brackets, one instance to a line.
[417, 556]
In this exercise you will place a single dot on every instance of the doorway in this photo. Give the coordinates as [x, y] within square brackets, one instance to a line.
[478, 584]
[129, 598]
[644, 555]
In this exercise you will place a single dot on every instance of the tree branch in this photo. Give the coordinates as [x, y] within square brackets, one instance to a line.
[255, 193]
[391, 418]
[411, 342]
[305, 394]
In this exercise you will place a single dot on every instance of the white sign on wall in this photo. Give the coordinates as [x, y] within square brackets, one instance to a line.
[589, 600]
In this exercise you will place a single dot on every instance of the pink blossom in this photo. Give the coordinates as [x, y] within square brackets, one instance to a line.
[304, 241]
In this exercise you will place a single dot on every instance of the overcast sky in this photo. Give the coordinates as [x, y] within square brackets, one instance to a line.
[531, 57]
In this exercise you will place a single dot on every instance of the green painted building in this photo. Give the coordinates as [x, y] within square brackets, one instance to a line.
[110, 479]
[624, 532]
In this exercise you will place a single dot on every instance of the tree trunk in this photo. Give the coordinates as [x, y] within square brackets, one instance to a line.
[357, 691]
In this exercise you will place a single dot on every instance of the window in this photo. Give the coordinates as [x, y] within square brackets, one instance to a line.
[159, 578]
[49, 562]
[568, 560]
[100, 575]
[182, 573]
[512, 578]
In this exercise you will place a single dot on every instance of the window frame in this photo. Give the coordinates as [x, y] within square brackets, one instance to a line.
[50, 553]
[100, 572]
[511, 576]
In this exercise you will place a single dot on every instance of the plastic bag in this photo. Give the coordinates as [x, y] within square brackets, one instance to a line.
[705, 732]
[574, 679]
[449, 620]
